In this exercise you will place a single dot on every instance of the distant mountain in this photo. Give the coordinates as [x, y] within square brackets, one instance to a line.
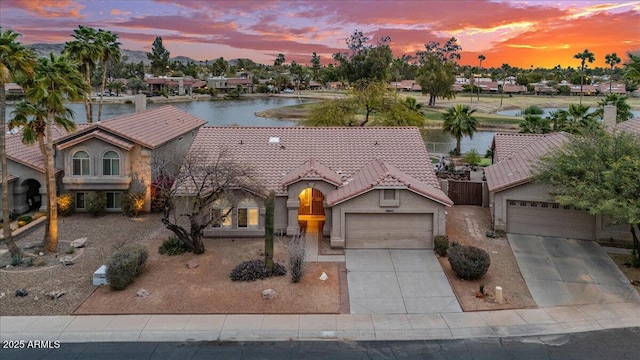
[133, 56]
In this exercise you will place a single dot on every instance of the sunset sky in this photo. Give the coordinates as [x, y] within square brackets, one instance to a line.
[520, 33]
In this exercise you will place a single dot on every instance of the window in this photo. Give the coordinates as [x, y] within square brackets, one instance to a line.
[221, 207]
[523, 203]
[532, 204]
[247, 213]
[114, 200]
[512, 203]
[556, 206]
[544, 205]
[81, 163]
[111, 163]
[80, 204]
[567, 207]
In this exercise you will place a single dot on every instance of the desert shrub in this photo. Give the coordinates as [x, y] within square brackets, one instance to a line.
[441, 244]
[472, 157]
[454, 244]
[26, 218]
[124, 265]
[128, 102]
[172, 246]
[255, 269]
[297, 253]
[96, 203]
[65, 203]
[469, 262]
[41, 262]
[16, 260]
[71, 250]
[29, 261]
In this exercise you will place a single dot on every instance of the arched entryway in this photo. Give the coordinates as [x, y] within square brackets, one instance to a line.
[33, 198]
[311, 215]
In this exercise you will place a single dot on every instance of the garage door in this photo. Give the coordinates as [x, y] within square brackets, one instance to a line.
[549, 219]
[389, 231]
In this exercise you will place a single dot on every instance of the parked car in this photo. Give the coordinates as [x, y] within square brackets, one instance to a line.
[288, 91]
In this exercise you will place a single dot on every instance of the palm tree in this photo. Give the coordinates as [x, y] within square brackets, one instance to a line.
[535, 124]
[481, 58]
[575, 120]
[86, 50]
[505, 72]
[584, 56]
[15, 60]
[623, 109]
[110, 48]
[56, 81]
[611, 60]
[458, 122]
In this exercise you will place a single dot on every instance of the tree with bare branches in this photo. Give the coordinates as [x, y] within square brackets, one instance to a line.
[189, 196]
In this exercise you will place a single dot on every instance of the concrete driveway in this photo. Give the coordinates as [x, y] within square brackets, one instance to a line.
[561, 271]
[398, 282]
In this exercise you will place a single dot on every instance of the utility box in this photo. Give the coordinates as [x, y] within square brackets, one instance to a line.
[100, 276]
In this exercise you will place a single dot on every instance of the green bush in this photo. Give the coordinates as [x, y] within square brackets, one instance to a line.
[96, 203]
[132, 203]
[469, 262]
[255, 269]
[472, 157]
[125, 265]
[16, 260]
[128, 102]
[172, 246]
[25, 218]
[441, 245]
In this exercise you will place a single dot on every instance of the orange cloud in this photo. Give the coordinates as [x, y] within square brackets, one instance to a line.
[48, 8]
[118, 12]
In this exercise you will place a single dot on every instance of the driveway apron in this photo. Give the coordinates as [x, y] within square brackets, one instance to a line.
[561, 271]
[398, 282]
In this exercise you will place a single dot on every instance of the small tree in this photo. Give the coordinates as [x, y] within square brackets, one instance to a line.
[598, 172]
[200, 181]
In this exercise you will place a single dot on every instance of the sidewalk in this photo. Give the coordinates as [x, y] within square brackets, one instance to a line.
[504, 323]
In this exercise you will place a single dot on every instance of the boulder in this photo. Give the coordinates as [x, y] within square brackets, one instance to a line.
[54, 295]
[142, 293]
[268, 294]
[192, 264]
[78, 243]
[67, 260]
[21, 292]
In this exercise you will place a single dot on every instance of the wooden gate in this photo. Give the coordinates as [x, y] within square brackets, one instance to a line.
[465, 192]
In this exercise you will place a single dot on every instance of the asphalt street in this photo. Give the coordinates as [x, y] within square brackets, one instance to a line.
[605, 344]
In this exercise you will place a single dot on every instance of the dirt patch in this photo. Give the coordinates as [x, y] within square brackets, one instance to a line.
[207, 288]
[467, 225]
[633, 274]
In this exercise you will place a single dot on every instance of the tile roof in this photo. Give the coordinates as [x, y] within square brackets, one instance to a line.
[312, 169]
[98, 134]
[379, 174]
[30, 155]
[518, 169]
[632, 125]
[344, 150]
[153, 128]
[506, 144]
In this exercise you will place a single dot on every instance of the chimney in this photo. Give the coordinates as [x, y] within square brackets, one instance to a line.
[609, 117]
[141, 103]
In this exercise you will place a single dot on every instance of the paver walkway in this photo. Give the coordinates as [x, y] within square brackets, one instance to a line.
[561, 271]
[398, 282]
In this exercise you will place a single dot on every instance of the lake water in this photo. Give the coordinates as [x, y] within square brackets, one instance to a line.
[242, 112]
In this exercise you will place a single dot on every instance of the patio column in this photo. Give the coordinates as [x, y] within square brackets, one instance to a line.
[293, 228]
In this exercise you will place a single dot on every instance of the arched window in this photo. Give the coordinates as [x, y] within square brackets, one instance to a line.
[221, 213]
[111, 163]
[247, 213]
[81, 164]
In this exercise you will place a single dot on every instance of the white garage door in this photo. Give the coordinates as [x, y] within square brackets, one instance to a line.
[548, 219]
[389, 231]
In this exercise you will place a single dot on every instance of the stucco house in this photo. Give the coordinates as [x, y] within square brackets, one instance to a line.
[369, 187]
[520, 205]
[105, 156]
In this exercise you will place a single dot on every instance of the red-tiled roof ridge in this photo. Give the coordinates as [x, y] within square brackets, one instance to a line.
[312, 169]
[154, 127]
[98, 134]
[518, 169]
[379, 174]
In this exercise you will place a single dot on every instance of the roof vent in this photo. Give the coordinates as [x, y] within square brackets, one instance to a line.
[274, 140]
